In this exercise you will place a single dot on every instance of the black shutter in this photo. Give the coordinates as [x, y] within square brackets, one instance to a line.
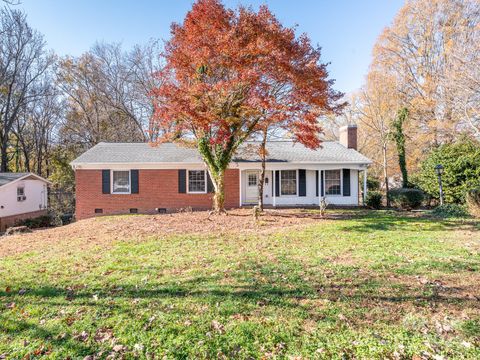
[346, 182]
[302, 182]
[277, 183]
[182, 181]
[316, 183]
[105, 181]
[210, 187]
[134, 180]
[322, 184]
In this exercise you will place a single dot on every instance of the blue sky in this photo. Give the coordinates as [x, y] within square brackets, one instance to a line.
[346, 30]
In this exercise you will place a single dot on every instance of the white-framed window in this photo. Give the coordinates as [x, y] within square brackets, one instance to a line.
[121, 183]
[21, 193]
[197, 181]
[252, 179]
[333, 183]
[288, 182]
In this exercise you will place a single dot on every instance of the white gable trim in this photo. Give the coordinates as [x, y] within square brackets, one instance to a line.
[25, 178]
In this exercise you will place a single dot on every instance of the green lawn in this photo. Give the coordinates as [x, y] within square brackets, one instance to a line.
[368, 285]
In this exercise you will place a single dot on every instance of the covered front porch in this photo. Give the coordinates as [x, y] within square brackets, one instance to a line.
[304, 184]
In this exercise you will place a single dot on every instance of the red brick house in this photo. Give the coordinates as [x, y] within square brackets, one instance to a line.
[119, 178]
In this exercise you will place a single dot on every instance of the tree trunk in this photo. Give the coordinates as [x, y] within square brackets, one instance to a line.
[26, 155]
[217, 161]
[385, 173]
[261, 182]
[219, 196]
[399, 138]
[17, 156]
[4, 157]
[47, 163]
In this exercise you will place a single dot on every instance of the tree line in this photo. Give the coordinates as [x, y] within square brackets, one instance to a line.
[52, 108]
[226, 76]
[422, 89]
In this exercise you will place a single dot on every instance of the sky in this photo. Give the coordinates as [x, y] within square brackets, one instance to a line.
[345, 29]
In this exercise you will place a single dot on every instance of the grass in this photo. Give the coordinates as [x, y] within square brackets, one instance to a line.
[365, 285]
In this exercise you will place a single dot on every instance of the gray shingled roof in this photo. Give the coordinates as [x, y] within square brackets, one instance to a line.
[288, 151]
[5, 178]
[278, 151]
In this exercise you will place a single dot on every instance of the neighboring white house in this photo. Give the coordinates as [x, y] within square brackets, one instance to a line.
[22, 196]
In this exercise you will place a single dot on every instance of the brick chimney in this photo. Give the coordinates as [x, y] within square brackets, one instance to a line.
[348, 136]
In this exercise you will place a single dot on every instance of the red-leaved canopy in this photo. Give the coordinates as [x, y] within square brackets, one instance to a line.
[230, 73]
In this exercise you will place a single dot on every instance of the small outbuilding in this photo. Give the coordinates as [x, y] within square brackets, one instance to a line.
[22, 196]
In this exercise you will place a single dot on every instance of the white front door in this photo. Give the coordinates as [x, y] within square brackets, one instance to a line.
[251, 187]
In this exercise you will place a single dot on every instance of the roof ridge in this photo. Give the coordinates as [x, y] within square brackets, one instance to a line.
[173, 142]
[291, 141]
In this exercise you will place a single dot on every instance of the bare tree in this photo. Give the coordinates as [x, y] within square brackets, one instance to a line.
[463, 79]
[377, 107]
[427, 62]
[144, 62]
[108, 94]
[36, 127]
[421, 51]
[23, 61]
[90, 118]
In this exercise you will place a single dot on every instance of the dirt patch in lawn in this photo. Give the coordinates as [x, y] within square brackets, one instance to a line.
[102, 231]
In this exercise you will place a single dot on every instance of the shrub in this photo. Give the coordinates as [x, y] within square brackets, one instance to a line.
[374, 199]
[373, 184]
[450, 211]
[406, 198]
[473, 202]
[461, 162]
[38, 222]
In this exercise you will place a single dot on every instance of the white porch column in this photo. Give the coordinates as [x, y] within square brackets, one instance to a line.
[319, 186]
[364, 186]
[274, 184]
[240, 187]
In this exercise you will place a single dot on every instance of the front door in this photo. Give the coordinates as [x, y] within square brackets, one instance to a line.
[251, 188]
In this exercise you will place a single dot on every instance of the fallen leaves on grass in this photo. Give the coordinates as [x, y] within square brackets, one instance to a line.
[10, 305]
[103, 335]
[104, 231]
[83, 336]
[217, 327]
[119, 348]
[149, 323]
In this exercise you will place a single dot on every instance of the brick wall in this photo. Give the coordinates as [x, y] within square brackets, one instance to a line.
[157, 189]
[9, 221]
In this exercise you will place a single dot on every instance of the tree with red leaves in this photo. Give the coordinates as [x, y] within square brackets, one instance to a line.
[231, 73]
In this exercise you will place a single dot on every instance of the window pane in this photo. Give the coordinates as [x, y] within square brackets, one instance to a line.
[20, 191]
[252, 179]
[121, 181]
[288, 181]
[196, 181]
[332, 182]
